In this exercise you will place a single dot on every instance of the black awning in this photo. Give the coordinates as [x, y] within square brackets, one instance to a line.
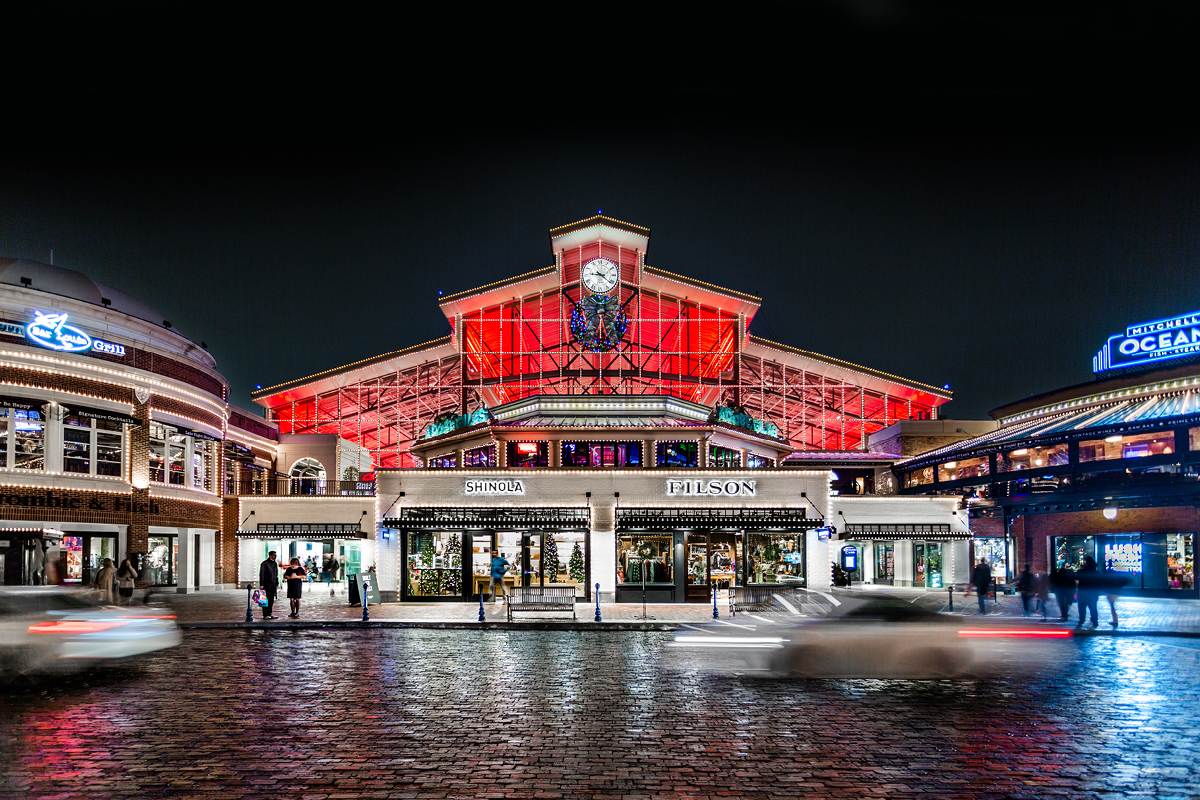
[489, 517]
[671, 518]
[22, 403]
[903, 530]
[101, 414]
[304, 530]
[195, 434]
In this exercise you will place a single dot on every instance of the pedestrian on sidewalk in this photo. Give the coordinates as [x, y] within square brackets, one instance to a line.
[1027, 586]
[268, 581]
[106, 579]
[1062, 583]
[500, 567]
[126, 578]
[294, 575]
[1090, 580]
[981, 579]
[1113, 582]
[1043, 594]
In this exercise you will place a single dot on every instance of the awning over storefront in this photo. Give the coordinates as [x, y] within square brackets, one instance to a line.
[714, 519]
[304, 530]
[22, 403]
[102, 414]
[937, 531]
[487, 517]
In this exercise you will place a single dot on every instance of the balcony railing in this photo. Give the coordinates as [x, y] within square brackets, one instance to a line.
[282, 485]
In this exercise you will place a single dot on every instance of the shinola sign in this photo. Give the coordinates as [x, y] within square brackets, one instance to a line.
[494, 486]
[732, 487]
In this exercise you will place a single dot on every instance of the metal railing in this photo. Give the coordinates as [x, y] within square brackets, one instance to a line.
[282, 485]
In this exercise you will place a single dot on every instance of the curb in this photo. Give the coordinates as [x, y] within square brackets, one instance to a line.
[350, 624]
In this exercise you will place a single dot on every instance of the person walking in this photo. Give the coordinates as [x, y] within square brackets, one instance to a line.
[1062, 584]
[126, 579]
[981, 579]
[1089, 580]
[1043, 594]
[1113, 582]
[268, 581]
[500, 567]
[1027, 586]
[106, 581]
[294, 575]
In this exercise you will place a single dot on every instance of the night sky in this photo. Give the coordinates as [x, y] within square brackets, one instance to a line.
[976, 200]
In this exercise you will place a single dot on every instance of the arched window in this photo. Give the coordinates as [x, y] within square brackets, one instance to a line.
[307, 476]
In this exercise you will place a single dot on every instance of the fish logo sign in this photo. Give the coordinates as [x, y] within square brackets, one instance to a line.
[51, 330]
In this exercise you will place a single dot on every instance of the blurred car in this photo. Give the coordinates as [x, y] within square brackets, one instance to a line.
[48, 628]
[876, 637]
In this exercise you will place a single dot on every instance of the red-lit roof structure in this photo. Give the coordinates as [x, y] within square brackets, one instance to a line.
[521, 336]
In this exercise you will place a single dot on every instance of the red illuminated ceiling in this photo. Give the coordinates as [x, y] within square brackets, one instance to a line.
[512, 339]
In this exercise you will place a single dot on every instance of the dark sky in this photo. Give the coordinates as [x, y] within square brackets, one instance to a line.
[967, 197]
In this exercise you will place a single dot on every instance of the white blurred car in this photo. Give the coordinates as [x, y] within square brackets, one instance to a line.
[47, 629]
[876, 637]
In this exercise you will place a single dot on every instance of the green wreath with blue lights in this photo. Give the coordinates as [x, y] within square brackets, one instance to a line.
[598, 323]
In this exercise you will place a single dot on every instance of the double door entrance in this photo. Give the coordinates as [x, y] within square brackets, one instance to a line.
[713, 560]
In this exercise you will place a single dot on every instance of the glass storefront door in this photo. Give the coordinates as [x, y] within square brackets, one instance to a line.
[885, 563]
[712, 560]
[927, 564]
[162, 559]
[564, 560]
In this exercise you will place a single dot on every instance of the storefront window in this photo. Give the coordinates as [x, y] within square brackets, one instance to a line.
[27, 432]
[1194, 438]
[918, 477]
[639, 554]
[966, 468]
[110, 438]
[1033, 457]
[678, 454]
[723, 457]
[83, 437]
[993, 550]
[777, 558]
[1181, 561]
[1069, 551]
[885, 562]
[480, 457]
[528, 454]
[201, 479]
[435, 563]
[448, 461]
[927, 564]
[601, 454]
[77, 446]
[162, 559]
[564, 559]
[755, 461]
[1120, 446]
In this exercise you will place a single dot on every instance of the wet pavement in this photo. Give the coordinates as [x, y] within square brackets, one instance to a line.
[549, 714]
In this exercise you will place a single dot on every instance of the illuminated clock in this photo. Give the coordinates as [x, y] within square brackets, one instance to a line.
[600, 275]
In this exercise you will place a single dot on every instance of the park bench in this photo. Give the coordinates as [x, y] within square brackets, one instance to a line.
[541, 598]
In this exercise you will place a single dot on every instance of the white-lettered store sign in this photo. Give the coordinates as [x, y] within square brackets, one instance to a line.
[494, 487]
[728, 487]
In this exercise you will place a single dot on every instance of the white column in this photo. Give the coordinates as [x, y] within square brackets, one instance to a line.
[602, 539]
[53, 438]
[184, 561]
[387, 563]
[819, 561]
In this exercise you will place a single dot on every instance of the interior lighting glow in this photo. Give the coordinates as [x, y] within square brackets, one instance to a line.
[1110, 512]
[1024, 451]
[1116, 437]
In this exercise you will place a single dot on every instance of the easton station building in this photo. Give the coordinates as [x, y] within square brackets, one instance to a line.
[601, 422]
[1108, 469]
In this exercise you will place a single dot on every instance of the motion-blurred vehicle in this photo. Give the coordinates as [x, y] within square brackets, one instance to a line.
[876, 637]
[51, 629]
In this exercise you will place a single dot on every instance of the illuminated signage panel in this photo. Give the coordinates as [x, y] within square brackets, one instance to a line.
[1150, 342]
[51, 330]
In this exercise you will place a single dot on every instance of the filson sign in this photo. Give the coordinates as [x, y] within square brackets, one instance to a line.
[494, 487]
[741, 487]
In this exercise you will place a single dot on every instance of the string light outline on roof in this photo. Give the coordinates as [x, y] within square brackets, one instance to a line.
[266, 390]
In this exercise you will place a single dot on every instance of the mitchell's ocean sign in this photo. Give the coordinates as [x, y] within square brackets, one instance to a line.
[51, 329]
[1150, 342]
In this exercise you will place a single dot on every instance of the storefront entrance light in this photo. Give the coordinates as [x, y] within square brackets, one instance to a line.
[1116, 437]
[1024, 451]
[1110, 512]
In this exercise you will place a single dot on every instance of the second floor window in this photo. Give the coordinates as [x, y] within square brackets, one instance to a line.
[22, 439]
[92, 446]
[528, 454]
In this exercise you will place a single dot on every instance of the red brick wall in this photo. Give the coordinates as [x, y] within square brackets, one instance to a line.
[66, 383]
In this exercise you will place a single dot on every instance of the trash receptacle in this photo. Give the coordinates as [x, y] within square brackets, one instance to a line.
[354, 583]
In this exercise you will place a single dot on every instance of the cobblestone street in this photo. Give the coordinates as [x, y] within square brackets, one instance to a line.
[492, 714]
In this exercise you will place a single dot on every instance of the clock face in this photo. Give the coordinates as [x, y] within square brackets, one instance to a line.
[600, 275]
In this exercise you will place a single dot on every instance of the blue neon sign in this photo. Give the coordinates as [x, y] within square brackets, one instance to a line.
[50, 329]
[1150, 342]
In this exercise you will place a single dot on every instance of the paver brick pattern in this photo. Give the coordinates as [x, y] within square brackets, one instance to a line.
[550, 714]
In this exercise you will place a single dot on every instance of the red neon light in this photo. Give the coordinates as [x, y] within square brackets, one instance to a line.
[69, 627]
[1015, 633]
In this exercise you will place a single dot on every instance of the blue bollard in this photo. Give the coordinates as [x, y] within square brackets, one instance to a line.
[249, 613]
[597, 602]
[716, 613]
[481, 606]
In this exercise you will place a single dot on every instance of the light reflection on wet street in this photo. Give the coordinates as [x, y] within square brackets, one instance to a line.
[424, 713]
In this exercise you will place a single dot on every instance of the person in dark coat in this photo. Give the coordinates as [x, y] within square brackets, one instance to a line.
[268, 581]
[1089, 580]
[1113, 581]
[1027, 586]
[1062, 584]
[294, 575]
[981, 579]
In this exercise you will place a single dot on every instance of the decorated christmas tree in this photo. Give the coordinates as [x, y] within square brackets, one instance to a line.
[575, 565]
[452, 575]
[550, 558]
[430, 580]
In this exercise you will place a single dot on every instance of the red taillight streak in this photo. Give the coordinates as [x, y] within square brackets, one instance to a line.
[1009, 633]
[71, 627]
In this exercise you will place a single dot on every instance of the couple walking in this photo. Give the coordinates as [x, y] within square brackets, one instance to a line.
[268, 581]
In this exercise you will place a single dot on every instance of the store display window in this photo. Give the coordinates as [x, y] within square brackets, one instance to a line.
[927, 564]
[647, 554]
[1180, 552]
[678, 454]
[480, 457]
[601, 454]
[1069, 551]
[755, 461]
[1121, 446]
[885, 562]
[777, 558]
[723, 456]
[446, 461]
[434, 564]
[22, 439]
[918, 477]
[564, 560]
[993, 550]
[528, 454]
[1033, 458]
[966, 468]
